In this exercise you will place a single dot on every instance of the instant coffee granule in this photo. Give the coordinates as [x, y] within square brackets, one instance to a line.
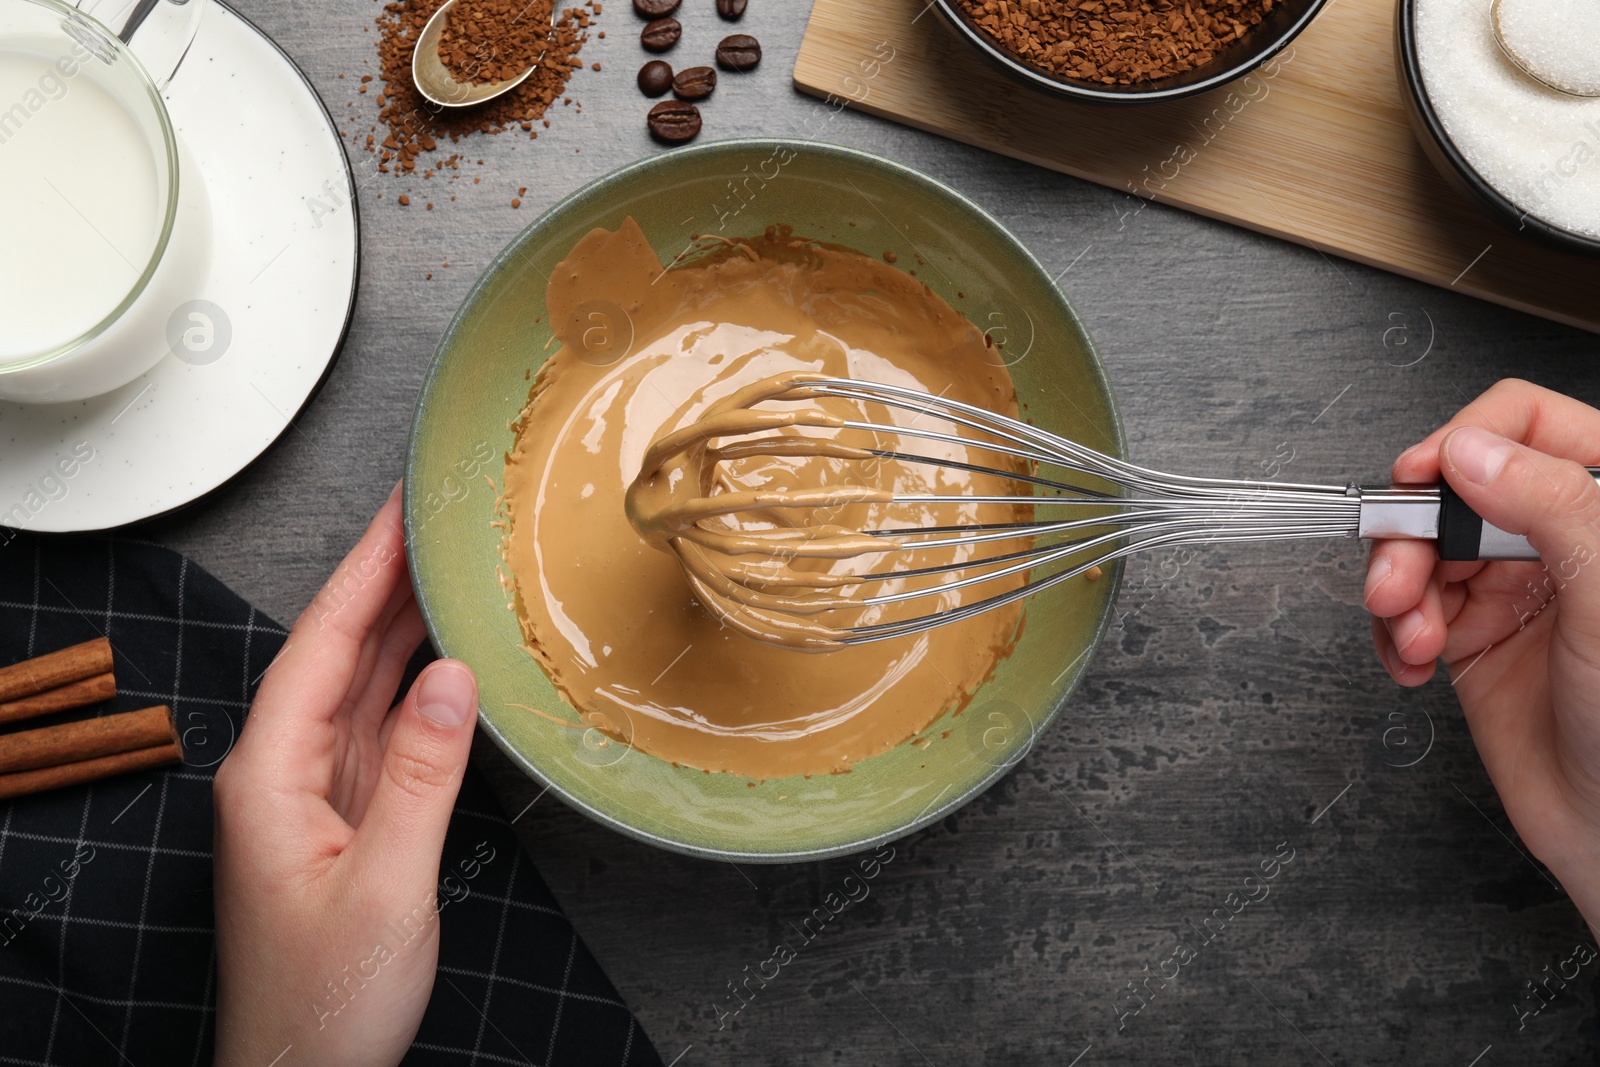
[1115, 42]
[416, 125]
[493, 40]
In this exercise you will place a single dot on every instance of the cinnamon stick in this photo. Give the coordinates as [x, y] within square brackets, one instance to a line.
[22, 783]
[61, 698]
[43, 673]
[86, 739]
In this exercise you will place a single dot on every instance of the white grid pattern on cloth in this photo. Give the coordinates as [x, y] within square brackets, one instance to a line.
[193, 853]
[132, 616]
[144, 908]
[208, 1002]
[155, 831]
[476, 1056]
[130, 826]
[66, 910]
[111, 1002]
[494, 961]
[566, 976]
[565, 994]
[120, 924]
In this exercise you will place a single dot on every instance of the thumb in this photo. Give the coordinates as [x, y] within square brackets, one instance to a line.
[423, 765]
[1554, 503]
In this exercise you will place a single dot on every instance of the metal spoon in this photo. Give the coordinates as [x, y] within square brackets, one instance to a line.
[434, 80]
[1581, 80]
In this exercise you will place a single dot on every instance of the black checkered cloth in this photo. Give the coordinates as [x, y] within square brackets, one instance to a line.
[107, 953]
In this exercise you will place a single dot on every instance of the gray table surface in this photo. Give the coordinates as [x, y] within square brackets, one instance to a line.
[1241, 707]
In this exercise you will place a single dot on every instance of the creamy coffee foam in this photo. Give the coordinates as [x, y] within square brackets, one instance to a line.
[612, 617]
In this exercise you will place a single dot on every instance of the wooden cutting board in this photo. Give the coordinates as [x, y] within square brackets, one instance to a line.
[1314, 148]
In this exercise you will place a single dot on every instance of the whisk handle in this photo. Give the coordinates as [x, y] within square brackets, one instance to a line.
[1438, 513]
[1463, 535]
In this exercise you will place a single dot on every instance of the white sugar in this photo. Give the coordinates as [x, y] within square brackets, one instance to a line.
[1558, 41]
[1539, 148]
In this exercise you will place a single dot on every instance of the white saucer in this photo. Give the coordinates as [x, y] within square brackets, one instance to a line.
[282, 282]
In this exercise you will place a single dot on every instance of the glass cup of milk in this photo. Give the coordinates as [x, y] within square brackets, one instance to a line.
[104, 222]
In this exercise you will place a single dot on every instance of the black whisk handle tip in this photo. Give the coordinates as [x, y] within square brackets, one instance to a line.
[1463, 535]
[1460, 528]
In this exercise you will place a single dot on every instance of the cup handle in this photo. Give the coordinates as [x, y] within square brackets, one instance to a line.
[158, 32]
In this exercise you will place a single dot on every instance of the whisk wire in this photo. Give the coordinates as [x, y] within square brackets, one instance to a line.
[1146, 510]
[1090, 460]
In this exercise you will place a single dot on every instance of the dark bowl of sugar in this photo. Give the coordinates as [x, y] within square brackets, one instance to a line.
[1528, 154]
[1123, 52]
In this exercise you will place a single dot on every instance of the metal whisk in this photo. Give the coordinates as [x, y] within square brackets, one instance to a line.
[1080, 528]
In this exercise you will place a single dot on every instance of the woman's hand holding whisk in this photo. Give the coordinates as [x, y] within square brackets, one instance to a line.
[1521, 641]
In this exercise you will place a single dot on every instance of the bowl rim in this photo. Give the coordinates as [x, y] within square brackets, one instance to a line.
[941, 805]
[1074, 91]
[1456, 168]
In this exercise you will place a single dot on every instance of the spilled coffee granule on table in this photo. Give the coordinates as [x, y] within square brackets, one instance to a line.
[415, 125]
[1115, 42]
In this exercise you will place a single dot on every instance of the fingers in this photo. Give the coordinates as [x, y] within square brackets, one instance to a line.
[1555, 503]
[1506, 598]
[1422, 612]
[403, 830]
[1406, 576]
[400, 640]
[346, 604]
[1397, 574]
[372, 710]
[333, 639]
[1554, 424]
[1419, 464]
[1419, 633]
[1415, 599]
[1453, 597]
[1407, 674]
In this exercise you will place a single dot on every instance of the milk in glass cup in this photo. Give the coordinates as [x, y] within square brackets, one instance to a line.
[104, 222]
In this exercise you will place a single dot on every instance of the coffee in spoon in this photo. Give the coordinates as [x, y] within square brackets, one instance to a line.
[440, 84]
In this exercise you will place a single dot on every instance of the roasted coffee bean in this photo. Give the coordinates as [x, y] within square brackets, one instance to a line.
[655, 78]
[739, 52]
[660, 35]
[695, 83]
[674, 121]
[732, 10]
[654, 9]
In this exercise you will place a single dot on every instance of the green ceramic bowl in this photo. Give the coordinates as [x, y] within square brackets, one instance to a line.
[478, 384]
